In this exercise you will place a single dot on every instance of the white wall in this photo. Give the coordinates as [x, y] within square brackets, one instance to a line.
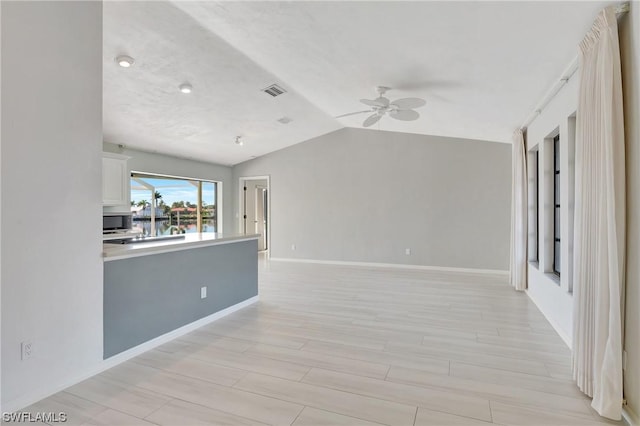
[0, 213]
[630, 55]
[552, 295]
[51, 201]
[365, 196]
[141, 161]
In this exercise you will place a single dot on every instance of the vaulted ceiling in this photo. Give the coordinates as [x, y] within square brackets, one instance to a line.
[480, 66]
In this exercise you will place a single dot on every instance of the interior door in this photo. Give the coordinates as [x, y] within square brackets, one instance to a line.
[254, 208]
[261, 216]
[249, 208]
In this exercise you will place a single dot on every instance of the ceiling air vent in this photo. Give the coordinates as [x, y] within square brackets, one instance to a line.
[274, 90]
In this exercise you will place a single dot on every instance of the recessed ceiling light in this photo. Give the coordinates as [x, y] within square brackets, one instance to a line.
[186, 88]
[239, 141]
[125, 61]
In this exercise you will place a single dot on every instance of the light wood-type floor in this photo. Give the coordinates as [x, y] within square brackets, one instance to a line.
[342, 345]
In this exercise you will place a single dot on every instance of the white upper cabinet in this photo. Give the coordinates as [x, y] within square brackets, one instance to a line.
[115, 180]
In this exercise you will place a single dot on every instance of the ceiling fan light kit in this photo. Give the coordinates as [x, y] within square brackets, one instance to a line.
[400, 109]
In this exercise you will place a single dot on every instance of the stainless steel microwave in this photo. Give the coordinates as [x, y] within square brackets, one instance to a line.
[113, 222]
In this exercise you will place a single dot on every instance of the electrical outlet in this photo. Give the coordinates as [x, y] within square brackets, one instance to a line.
[293, 247]
[203, 292]
[407, 251]
[26, 349]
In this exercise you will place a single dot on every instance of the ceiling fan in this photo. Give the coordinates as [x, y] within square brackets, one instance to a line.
[400, 109]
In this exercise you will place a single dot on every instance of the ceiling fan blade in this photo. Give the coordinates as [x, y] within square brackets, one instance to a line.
[405, 115]
[409, 103]
[371, 120]
[374, 103]
[353, 113]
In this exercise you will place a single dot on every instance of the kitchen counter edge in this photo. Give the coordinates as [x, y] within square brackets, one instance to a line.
[111, 252]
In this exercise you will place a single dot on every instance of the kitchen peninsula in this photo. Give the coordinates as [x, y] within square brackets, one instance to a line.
[153, 288]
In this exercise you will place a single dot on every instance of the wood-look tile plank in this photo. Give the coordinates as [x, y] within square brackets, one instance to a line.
[314, 359]
[559, 370]
[78, 410]
[335, 336]
[124, 398]
[130, 373]
[532, 335]
[252, 362]
[433, 365]
[424, 329]
[256, 336]
[313, 417]
[524, 342]
[536, 353]
[434, 399]
[261, 408]
[181, 413]
[472, 357]
[504, 377]
[190, 366]
[111, 417]
[345, 403]
[491, 391]
[437, 418]
[204, 339]
[517, 415]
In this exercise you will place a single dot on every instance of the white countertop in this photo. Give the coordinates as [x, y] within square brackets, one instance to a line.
[123, 251]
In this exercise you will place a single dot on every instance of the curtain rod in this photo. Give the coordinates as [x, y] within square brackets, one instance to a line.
[569, 71]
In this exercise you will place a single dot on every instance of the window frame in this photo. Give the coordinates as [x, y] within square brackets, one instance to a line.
[556, 268]
[533, 246]
[218, 192]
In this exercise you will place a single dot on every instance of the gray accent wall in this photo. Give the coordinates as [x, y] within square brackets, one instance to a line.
[366, 196]
[148, 296]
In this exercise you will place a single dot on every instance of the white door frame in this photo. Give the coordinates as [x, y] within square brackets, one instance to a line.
[241, 183]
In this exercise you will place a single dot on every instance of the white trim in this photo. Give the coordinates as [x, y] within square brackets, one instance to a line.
[242, 179]
[567, 340]
[498, 272]
[106, 364]
[629, 416]
[219, 207]
[115, 156]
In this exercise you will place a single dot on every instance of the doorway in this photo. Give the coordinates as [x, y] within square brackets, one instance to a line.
[254, 217]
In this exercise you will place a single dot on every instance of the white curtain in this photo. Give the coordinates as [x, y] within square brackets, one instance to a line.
[518, 212]
[599, 235]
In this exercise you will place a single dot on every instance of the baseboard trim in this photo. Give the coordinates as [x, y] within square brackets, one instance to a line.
[630, 417]
[106, 364]
[567, 339]
[498, 272]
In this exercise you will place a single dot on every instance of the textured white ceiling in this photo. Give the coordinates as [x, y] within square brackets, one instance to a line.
[481, 66]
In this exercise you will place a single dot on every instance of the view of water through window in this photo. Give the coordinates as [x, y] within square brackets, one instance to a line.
[176, 205]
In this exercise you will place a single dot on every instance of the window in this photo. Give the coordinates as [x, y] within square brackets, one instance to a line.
[534, 202]
[556, 205]
[166, 205]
